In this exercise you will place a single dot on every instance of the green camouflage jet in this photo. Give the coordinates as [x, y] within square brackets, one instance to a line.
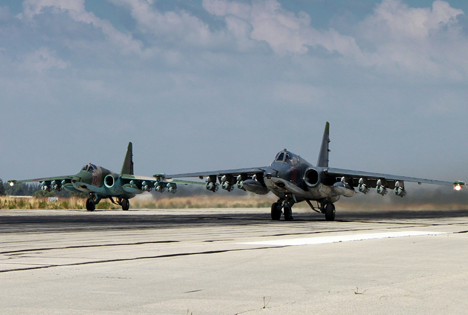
[102, 183]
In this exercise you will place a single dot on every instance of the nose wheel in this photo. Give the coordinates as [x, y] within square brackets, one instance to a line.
[90, 206]
[276, 211]
[282, 206]
[329, 210]
[125, 204]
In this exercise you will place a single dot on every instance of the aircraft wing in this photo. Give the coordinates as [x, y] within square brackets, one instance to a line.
[234, 172]
[67, 179]
[372, 178]
[157, 178]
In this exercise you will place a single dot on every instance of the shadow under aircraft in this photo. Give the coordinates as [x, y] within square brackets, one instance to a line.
[292, 179]
[101, 183]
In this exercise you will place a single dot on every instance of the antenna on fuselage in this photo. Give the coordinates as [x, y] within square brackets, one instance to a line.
[323, 155]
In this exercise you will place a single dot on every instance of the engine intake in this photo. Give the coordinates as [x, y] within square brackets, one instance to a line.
[109, 181]
[312, 177]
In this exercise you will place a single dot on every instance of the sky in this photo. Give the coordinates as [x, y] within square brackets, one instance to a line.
[202, 85]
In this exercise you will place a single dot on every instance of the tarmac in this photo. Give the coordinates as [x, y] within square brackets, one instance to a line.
[232, 261]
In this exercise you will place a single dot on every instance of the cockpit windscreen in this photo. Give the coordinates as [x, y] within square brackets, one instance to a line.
[89, 167]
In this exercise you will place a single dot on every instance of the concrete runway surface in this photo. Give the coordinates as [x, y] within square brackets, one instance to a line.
[232, 261]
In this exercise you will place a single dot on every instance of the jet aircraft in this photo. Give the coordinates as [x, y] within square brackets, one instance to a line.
[292, 179]
[102, 183]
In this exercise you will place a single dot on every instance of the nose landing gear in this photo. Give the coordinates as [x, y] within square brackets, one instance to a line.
[283, 206]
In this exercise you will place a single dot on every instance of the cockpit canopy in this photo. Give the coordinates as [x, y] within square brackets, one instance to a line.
[90, 168]
[286, 157]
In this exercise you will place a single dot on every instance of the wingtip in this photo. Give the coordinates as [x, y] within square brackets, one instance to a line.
[327, 127]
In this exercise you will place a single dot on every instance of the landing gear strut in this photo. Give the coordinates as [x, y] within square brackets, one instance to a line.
[123, 202]
[283, 206]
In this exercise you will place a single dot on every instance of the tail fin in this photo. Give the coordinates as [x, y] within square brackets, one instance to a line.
[323, 155]
[127, 167]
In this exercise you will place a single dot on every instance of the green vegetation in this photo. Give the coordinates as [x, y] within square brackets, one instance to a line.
[44, 194]
[196, 202]
[2, 188]
[19, 189]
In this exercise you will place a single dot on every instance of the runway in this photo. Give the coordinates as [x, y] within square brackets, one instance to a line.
[232, 261]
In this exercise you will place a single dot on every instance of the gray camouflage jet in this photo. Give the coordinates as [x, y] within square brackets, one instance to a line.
[101, 183]
[293, 180]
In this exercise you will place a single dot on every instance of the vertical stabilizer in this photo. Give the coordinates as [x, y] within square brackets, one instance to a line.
[323, 155]
[127, 167]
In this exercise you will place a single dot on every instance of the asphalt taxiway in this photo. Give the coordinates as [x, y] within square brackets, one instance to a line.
[232, 261]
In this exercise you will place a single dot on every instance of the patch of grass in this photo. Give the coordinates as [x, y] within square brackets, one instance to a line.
[42, 204]
[105, 205]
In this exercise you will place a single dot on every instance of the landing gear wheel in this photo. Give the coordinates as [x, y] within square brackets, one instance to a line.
[90, 206]
[275, 212]
[330, 212]
[288, 213]
[125, 204]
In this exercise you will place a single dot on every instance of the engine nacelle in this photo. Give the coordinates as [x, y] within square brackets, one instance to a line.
[312, 177]
[109, 181]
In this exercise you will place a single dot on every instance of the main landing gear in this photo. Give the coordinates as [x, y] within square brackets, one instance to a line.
[282, 206]
[122, 202]
[92, 201]
[326, 208]
[329, 210]
[125, 204]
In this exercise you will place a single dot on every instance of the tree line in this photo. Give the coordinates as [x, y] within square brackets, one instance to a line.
[34, 189]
